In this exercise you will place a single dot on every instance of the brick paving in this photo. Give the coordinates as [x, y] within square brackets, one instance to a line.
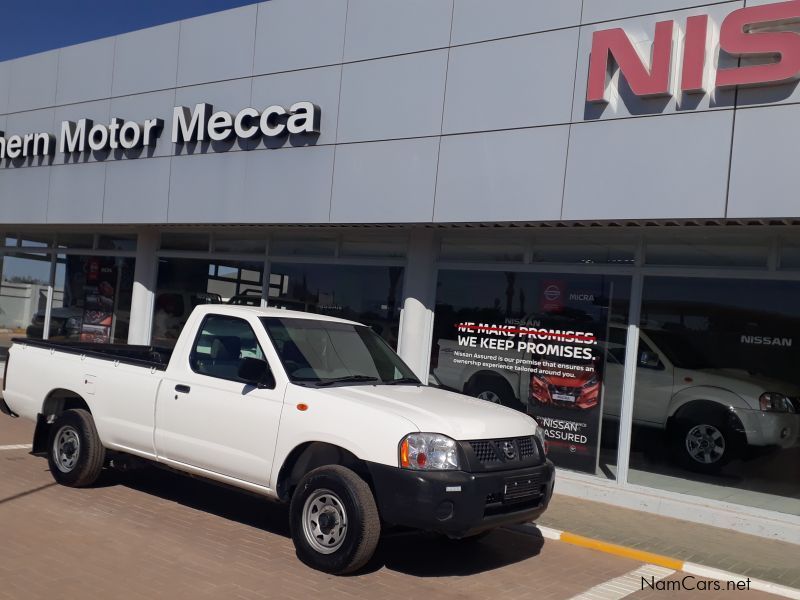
[724, 549]
[154, 534]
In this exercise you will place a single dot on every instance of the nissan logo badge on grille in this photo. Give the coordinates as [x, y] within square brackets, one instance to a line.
[509, 450]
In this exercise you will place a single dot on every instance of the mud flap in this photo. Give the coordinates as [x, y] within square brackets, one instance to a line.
[40, 436]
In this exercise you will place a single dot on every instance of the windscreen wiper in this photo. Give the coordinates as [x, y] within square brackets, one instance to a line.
[347, 379]
[403, 380]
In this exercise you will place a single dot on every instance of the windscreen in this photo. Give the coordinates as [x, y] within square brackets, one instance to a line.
[316, 352]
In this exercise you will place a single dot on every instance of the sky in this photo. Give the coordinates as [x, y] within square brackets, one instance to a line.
[31, 26]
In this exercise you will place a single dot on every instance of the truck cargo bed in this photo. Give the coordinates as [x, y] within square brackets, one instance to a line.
[143, 356]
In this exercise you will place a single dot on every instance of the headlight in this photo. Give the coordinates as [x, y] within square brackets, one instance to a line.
[428, 452]
[593, 381]
[540, 436]
[774, 402]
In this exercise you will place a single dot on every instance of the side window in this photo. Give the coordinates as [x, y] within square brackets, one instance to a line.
[221, 345]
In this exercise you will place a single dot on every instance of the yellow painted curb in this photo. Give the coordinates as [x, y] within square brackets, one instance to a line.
[640, 555]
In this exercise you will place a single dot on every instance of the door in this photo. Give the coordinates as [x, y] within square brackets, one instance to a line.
[654, 380]
[208, 417]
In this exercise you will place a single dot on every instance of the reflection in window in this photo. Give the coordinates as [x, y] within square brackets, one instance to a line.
[23, 297]
[221, 346]
[367, 294]
[184, 284]
[717, 398]
[92, 299]
[549, 345]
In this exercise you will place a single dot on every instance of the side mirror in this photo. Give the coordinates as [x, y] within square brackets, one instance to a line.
[256, 372]
[650, 360]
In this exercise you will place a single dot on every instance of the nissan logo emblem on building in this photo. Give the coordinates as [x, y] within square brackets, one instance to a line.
[509, 450]
[552, 292]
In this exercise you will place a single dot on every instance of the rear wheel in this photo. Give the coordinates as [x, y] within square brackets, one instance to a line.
[75, 453]
[334, 520]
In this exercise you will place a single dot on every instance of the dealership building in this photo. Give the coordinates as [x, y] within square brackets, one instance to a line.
[582, 209]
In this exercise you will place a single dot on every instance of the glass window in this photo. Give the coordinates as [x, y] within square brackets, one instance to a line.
[471, 249]
[23, 297]
[185, 241]
[706, 251]
[183, 284]
[377, 247]
[543, 344]
[221, 345]
[584, 253]
[367, 294]
[322, 352]
[120, 241]
[297, 246]
[717, 398]
[83, 241]
[92, 299]
[36, 240]
[239, 243]
[790, 254]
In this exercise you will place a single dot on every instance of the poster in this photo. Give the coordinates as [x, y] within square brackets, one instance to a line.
[555, 358]
[98, 300]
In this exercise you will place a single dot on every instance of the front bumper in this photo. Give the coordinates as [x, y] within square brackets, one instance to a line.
[770, 428]
[460, 504]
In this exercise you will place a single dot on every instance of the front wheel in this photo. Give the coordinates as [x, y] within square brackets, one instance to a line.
[75, 453]
[704, 445]
[334, 520]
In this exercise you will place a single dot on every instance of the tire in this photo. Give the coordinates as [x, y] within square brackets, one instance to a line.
[344, 498]
[704, 444]
[494, 390]
[74, 451]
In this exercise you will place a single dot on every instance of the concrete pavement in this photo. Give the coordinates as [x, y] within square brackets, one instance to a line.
[154, 534]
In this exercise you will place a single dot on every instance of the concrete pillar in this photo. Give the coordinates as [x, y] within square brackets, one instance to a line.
[419, 299]
[144, 288]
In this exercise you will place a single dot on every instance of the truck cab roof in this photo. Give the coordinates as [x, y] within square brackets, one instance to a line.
[258, 311]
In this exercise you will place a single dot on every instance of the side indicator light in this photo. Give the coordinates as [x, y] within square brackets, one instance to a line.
[302, 407]
[404, 454]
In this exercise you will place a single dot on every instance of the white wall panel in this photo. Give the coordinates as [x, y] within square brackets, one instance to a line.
[649, 168]
[515, 175]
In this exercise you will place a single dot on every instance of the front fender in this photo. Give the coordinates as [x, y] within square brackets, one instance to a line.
[368, 433]
[717, 395]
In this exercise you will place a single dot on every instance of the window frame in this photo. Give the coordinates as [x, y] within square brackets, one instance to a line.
[196, 340]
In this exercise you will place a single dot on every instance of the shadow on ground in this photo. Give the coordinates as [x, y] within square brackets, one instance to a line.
[198, 494]
[420, 555]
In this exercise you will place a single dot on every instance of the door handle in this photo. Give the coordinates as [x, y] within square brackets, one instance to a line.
[183, 389]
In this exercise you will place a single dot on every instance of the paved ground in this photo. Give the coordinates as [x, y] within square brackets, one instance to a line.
[156, 535]
[756, 557]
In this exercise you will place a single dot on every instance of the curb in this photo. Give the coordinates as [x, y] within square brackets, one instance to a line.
[666, 561]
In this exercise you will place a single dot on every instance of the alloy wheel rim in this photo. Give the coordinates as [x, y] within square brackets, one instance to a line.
[66, 449]
[705, 444]
[324, 521]
[489, 397]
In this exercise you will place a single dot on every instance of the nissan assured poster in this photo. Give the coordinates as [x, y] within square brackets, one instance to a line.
[552, 359]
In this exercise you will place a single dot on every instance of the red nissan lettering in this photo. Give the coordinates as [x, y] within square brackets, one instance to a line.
[643, 81]
[740, 36]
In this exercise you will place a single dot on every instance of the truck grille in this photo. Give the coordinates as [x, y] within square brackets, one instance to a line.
[484, 451]
[492, 453]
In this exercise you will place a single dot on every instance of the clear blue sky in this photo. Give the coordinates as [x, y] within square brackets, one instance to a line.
[31, 26]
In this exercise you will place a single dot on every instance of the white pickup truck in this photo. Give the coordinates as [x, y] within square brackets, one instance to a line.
[303, 409]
